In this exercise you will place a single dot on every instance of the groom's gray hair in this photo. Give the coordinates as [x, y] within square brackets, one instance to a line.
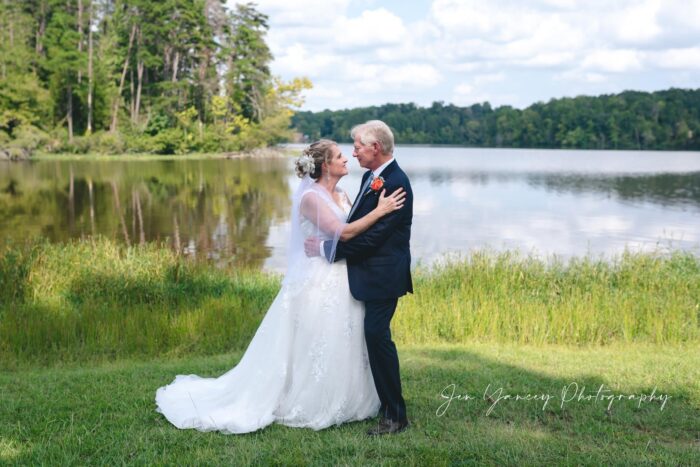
[375, 131]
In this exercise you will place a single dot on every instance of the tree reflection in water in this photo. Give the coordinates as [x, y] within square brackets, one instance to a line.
[234, 212]
[216, 209]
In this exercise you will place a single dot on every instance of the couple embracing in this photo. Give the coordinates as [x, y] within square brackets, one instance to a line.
[323, 353]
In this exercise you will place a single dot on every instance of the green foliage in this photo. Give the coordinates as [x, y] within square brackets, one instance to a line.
[169, 141]
[278, 106]
[167, 77]
[24, 103]
[248, 76]
[105, 142]
[668, 120]
[25, 139]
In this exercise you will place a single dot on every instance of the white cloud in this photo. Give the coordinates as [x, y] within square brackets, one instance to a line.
[297, 60]
[299, 12]
[420, 41]
[680, 17]
[464, 89]
[368, 52]
[375, 78]
[547, 59]
[468, 67]
[324, 92]
[563, 4]
[678, 59]
[414, 74]
[371, 28]
[489, 78]
[595, 77]
[614, 61]
[637, 23]
[475, 18]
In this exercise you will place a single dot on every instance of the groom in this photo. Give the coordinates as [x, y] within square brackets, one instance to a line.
[379, 262]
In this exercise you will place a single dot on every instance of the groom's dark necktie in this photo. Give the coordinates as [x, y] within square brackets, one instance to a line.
[362, 193]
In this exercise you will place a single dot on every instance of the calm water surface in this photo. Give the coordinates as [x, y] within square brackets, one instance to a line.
[567, 203]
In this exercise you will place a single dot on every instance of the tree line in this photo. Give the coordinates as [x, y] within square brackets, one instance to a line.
[170, 76]
[668, 120]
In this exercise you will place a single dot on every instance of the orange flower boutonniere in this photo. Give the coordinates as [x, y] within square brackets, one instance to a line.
[377, 184]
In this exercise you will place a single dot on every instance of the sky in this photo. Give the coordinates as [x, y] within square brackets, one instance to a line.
[371, 52]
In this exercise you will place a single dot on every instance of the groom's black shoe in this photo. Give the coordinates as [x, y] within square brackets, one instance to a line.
[388, 427]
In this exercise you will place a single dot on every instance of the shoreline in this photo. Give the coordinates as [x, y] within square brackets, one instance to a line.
[270, 152]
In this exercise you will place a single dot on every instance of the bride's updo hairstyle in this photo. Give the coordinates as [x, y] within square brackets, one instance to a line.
[309, 163]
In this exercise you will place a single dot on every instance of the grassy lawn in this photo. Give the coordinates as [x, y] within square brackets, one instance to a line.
[90, 329]
[104, 413]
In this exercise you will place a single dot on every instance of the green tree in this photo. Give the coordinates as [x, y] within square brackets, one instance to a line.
[65, 59]
[24, 103]
[248, 78]
[629, 120]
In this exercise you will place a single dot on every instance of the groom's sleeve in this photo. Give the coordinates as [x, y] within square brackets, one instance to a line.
[369, 240]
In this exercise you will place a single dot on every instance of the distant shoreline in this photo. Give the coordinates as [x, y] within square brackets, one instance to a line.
[659, 120]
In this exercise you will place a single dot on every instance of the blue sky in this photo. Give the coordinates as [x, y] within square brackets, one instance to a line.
[507, 52]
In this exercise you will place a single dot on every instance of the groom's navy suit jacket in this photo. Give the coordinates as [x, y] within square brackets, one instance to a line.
[379, 259]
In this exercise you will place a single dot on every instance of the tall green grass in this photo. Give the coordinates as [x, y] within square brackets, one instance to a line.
[93, 300]
[506, 297]
[96, 299]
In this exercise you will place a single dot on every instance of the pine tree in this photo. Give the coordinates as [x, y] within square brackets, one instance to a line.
[248, 73]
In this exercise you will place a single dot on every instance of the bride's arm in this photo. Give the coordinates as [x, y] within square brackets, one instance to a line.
[386, 205]
[318, 212]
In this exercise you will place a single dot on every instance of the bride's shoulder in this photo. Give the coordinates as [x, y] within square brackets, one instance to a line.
[312, 197]
[309, 195]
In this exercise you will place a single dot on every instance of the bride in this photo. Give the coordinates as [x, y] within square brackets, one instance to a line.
[307, 364]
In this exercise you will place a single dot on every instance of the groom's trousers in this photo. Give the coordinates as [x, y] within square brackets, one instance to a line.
[383, 358]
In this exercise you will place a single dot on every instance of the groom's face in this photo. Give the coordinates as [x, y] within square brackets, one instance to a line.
[367, 155]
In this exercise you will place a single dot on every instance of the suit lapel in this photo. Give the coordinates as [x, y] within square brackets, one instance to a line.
[358, 198]
[363, 192]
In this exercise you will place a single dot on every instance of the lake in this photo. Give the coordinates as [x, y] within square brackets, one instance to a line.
[236, 211]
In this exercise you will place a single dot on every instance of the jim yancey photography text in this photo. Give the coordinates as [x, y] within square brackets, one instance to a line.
[570, 393]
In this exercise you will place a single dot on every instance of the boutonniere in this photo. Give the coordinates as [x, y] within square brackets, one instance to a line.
[376, 185]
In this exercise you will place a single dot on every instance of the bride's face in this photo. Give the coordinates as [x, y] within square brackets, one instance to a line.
[337, 166]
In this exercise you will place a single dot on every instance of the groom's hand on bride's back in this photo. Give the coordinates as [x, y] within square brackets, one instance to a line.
[312, 246]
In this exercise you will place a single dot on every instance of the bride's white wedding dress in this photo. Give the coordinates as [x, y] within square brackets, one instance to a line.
[306, 366]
